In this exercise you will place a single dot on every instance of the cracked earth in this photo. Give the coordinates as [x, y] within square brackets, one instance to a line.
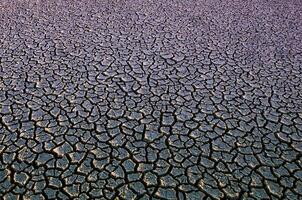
[151, 99]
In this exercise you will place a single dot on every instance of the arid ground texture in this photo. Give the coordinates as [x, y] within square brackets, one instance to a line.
[146, 99]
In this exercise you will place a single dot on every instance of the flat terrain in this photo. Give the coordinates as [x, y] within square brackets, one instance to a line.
[143, 99]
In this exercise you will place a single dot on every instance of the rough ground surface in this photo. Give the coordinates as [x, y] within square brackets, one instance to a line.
[151, 99]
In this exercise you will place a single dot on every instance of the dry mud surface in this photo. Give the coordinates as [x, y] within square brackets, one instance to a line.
[151, 99]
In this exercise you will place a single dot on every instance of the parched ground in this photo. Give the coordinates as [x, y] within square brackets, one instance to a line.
[143, 99]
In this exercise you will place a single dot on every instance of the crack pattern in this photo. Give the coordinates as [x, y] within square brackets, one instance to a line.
[151, 100]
